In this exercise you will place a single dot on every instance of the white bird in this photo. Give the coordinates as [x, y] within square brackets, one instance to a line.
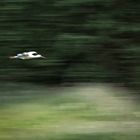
[27, 55]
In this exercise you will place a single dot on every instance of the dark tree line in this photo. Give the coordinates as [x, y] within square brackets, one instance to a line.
[83, 40]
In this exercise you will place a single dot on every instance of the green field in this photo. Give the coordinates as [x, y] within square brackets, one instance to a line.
[84, 112]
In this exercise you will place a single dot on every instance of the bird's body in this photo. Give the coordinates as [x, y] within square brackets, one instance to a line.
[27, 55]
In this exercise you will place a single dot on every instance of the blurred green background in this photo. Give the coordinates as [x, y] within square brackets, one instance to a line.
[84, 41]
[80, 112]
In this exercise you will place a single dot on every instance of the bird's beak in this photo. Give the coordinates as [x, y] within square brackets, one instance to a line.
[43, 57]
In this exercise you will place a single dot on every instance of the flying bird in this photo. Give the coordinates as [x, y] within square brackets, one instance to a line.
[27, 55]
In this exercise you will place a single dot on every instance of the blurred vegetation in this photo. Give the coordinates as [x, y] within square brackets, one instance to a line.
[84, 112]
[83, 40]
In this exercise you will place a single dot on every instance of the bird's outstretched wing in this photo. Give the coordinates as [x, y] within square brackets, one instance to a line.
[24, 54]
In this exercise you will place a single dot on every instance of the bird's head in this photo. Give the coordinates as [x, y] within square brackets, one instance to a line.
[36, 55]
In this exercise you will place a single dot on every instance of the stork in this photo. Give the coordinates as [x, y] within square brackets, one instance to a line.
[27, 55]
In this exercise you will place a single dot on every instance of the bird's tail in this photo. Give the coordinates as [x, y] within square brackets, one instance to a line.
[13, 57]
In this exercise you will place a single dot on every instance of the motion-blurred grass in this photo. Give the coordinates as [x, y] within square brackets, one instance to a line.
[99, 112]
